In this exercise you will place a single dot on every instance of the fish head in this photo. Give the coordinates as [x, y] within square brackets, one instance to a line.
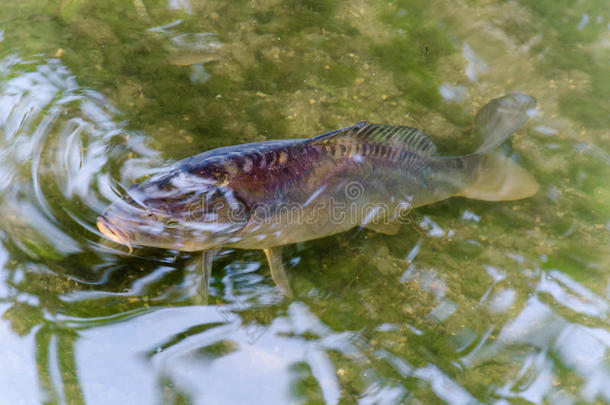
[178, 211]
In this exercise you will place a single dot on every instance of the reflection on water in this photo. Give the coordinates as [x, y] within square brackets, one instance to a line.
[472, 302]
[185, 352]
[57, 142]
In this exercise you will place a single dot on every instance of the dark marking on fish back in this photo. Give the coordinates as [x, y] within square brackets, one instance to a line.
[376, 134]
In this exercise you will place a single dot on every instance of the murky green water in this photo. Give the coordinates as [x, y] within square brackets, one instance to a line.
[472, 302]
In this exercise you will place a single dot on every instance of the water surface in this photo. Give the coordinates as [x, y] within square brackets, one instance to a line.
[472, 302]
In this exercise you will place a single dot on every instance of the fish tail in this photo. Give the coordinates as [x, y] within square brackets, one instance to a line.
[494, 176]
[500, 118]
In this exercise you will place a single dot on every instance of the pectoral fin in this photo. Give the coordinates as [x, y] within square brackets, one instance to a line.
[205, 269]
[498, 178]
[274, 257]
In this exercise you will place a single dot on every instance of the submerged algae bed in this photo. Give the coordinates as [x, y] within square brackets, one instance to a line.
[472, 302]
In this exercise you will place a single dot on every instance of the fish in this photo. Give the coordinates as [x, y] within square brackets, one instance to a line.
[266, 195]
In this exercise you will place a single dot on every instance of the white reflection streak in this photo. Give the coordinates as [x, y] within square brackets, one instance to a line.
[323, 370]
[314, 195]
[585, 302]
[414, 251]
[541, 387]
[34, 219]
[427, 279]
[444, 387]
[321, 366]
[377, 394]
[442, 311]
[582, 350]
[544, 130]
[434, 230]
[18, 373]
[79, 175]
[166, 28]
[4, 256]
[468, 215]
[184, 5]
[583, 22]
[400, 365]
[453, 93]
[37, 150]
[594, 151]
[475, 64]
[468, 358]
[496, 276]
[55, 370]
[502, 300]
[535, 325]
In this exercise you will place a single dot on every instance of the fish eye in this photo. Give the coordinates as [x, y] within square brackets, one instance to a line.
[151, 215]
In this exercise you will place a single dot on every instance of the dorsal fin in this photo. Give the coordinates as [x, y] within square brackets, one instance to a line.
[400, 137]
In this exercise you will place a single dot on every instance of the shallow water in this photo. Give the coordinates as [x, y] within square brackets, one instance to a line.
[472, 302]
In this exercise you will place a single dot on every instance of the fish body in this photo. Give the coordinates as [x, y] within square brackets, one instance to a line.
[274, 193]
[268, 194]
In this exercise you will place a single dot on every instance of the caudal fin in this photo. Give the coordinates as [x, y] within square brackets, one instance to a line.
[499, 178]
[501, 117]
[495, 176]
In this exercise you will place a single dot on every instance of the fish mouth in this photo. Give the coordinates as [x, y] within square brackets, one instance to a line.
[112, 232]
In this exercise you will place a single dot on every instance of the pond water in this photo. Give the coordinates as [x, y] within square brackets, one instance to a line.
[471, 302]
